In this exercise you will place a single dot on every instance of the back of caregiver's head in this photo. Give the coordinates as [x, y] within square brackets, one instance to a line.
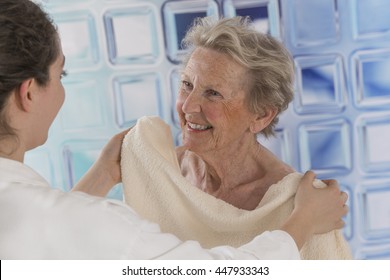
[28, 46]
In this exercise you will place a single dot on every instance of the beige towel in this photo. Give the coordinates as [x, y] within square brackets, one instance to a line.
[154, 187]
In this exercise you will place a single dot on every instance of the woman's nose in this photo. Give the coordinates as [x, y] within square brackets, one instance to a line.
[192, 103]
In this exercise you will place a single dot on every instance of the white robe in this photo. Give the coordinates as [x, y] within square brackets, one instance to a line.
[155, 188]
[38, 222]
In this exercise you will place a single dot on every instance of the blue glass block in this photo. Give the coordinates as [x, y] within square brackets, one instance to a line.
[174, 89]
[78, 157]
[320, 85]
[116, 192]
[136, 96]
[263, 13]
[348, 219]
[374, 139]
[325, 147]
[178, 16]
[278, 145]
[83, 107]
[40, 161]
[371, 17]
[132, 36]
[374, 205]
[371, 84]
[313, 22]
[381, 252]
[80, 48]
[178, 138]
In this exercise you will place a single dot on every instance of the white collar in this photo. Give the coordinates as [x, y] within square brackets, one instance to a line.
[17, 172]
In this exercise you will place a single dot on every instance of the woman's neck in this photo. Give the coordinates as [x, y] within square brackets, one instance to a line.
[234, 165]
[10, 149]
[240, 178]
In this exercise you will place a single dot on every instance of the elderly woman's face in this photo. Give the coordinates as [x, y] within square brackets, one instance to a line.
[211, 103]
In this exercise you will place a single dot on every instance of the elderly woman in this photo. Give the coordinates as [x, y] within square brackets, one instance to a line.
[234, 84]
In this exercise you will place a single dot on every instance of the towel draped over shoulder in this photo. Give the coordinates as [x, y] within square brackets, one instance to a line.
[154, 187]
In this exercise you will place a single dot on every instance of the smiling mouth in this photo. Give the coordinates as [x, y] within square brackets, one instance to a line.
[198, 126]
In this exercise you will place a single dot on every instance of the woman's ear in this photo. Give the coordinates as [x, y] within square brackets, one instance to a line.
[262, 121]
[25, 95]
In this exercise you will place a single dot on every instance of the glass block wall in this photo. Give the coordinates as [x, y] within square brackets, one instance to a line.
[123, 58]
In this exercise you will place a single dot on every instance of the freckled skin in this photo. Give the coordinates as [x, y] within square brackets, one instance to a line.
[215, 98]
[225, 159]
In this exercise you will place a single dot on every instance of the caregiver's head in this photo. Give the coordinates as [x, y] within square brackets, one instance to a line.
[31, 63]
[235, 82]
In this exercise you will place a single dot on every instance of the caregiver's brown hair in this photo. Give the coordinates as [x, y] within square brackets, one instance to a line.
[28, 46]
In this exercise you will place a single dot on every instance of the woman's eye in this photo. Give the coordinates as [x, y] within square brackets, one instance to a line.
[186, 85]
[213, 93]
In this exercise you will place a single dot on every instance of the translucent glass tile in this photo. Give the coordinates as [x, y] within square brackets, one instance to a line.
[371, 83]
[136, 96]
[178, 16]
[174, 90]
[374, 140]
[132, 36]
[348, 219]
[325, 147]
[80, 48]
[278, 145]
[178, 138]
[320, 85]
[313, 22]
[371, 17]
[79, 156]
[263, 13]
[375, 210]
[381, 252]
[39, 160]
[83, 108]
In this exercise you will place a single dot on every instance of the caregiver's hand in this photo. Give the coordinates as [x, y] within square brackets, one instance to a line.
[317, 210]
[110, 157]
[105, 172]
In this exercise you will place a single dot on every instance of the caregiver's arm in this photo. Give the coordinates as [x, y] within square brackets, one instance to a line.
[316, 210]
[105, 172]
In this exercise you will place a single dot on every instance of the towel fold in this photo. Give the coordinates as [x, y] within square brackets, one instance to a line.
[154, 187]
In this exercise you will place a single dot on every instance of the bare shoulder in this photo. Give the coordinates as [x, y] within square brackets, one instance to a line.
[275, 168]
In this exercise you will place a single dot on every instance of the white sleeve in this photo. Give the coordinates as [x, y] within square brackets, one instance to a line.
[271, 245]
[92, 228]
[274, 245]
